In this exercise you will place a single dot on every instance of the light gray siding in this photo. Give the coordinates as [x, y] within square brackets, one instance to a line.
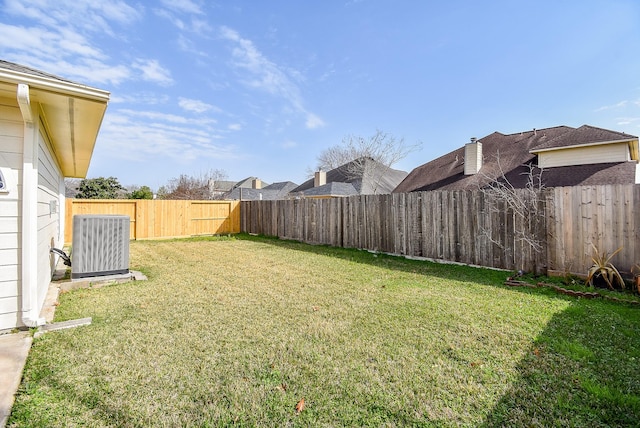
[11, 138]
[49, 184]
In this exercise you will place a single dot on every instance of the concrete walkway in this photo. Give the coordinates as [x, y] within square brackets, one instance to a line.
[14, 349]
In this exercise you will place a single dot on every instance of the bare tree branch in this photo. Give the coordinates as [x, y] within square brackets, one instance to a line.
[523, 204]
[356, 154]
[191, 187]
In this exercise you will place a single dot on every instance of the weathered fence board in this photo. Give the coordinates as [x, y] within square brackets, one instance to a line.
[605, 216]
[466, 226]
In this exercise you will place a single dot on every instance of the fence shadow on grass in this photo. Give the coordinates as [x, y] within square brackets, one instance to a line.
[479, 275]
[582, 370]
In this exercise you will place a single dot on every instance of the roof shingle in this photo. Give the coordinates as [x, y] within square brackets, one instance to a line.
[511, 156]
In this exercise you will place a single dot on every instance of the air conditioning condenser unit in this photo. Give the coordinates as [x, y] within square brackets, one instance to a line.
[100, 245]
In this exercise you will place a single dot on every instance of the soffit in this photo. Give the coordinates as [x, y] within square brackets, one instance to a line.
[70, 113]
[72, 125]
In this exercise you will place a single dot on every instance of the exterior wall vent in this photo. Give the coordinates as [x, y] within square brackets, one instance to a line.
[100, 245]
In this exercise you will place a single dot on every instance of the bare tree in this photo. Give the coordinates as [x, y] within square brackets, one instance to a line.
[71, 186]
[360, 156]
[381, 147]
[525, 205]
[191, 187]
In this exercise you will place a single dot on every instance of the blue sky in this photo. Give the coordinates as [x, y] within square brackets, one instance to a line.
[260, 88]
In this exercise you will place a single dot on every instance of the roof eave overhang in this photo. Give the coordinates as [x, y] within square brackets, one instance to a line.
[57, 86]
[633, 146]
[71, 115]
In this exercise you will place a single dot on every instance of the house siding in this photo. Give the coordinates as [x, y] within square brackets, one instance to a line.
[11, 141]
[49, 183]
[605, 153]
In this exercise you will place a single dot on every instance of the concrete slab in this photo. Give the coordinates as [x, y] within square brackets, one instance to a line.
[100, 281]
[61, 326]
[14, 349]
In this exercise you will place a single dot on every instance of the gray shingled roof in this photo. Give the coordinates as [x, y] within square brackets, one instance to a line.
[248, 182]
[268, 193]
[376, 178]
[515, 153]
[584, 135]
[334, 188]
[283, 186]
[223, 185]
[32, 71]
[247, 194]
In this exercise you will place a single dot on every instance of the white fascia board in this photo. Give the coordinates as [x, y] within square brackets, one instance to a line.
[55, 85]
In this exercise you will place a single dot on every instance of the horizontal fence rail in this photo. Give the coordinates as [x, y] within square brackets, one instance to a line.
[156, 219]
[470, 227]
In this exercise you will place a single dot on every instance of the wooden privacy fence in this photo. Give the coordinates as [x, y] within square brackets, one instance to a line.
[605, 216]
[465, 226]
[155, 219]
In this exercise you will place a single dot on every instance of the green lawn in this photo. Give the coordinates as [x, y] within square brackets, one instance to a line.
[238, 331]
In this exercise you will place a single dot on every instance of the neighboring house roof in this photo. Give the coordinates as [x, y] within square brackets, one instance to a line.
[333, 189]
[582, 136]
[268, 193]
[365, 175]
[248, 183]
[72, 112]
[222, 185]
[283, 187]
[31, 71]
[511, 155]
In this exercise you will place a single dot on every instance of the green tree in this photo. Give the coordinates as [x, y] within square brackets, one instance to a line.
[143, 192]
[100, 188]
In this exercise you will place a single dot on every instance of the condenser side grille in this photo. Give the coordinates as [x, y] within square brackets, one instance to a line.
[100, 245]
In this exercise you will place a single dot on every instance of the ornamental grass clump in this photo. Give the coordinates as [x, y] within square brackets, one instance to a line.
[603, 268]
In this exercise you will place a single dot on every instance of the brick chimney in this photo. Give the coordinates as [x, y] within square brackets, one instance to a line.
[472, 157]
[319, 178]
[256, 183]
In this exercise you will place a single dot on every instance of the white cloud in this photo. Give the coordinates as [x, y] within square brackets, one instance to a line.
[47, 44]
[626, 120]
[187, 45]
[621, 104]
[147, 98]
[234, 127]
[289, 144]
[85, 70]
[139, 135]
[183, 6]
[195, 106]
[177, 22]
[184, 15]
[200, 26]
[152, 71]
[267, 76]
[90, 15]
[60, 40]
[94, 71]
[168, 117]
[313, 121]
